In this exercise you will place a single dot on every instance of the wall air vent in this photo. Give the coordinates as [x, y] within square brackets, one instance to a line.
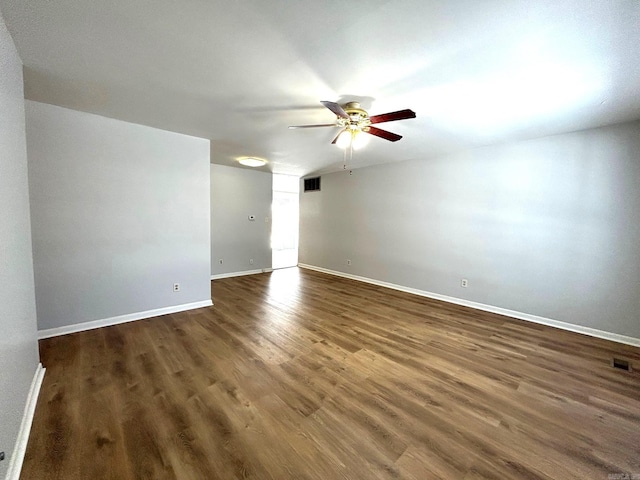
[312, 184]
[621, 364]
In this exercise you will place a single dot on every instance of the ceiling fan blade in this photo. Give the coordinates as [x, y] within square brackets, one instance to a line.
[378, 132]
[336, 139]
[313, 126]
[392, 116]
[335, 108]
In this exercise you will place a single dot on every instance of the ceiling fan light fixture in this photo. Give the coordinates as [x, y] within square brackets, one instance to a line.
[359, 140]
[252, 162]
[344, 139]
[354, 121]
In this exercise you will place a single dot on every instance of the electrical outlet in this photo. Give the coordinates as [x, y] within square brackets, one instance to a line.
[220, 261]
[464, 283]
[348, 262]
[251, 261]
[176, 287]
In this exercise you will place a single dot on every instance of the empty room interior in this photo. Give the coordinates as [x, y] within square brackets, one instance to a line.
[320, 240]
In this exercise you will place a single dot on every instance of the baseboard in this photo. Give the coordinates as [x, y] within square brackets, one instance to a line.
[17, 457]
[593, 332]
[240, 274]
[105, 322]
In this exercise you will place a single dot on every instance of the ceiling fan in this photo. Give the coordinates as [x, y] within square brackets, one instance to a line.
[353, 120]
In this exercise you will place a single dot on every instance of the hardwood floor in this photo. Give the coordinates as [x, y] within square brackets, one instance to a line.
[302, 375]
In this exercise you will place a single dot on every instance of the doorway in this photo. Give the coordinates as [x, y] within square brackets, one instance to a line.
[285, 213]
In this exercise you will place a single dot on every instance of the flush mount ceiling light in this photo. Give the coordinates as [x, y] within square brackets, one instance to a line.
[252, 162]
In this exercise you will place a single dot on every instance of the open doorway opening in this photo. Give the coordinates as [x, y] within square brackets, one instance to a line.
[285, 214]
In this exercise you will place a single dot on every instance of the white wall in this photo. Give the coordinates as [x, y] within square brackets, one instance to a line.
[119, 212]
[548, 227]
[237, 193]
[18, 344]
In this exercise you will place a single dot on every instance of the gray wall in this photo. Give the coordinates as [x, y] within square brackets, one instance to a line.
[18, 344]
[548, 227]
[119, 211]
[237, 193]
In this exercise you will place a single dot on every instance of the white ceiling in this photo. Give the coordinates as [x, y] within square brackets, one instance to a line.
[239, 72]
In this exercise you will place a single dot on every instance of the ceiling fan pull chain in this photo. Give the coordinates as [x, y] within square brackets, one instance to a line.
[351, 152]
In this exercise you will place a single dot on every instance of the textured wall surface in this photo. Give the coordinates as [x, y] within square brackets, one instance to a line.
[120, 212]
[18, 344]
[237, 193]
[548, 227]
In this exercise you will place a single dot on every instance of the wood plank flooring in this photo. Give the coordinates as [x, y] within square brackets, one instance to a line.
[302, 375]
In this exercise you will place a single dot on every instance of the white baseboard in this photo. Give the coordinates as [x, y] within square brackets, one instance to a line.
[17, 457]
[105, 322]
[240, 274]
[614, 337]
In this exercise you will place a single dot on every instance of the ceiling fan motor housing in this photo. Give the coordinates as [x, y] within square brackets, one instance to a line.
[358, 117]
